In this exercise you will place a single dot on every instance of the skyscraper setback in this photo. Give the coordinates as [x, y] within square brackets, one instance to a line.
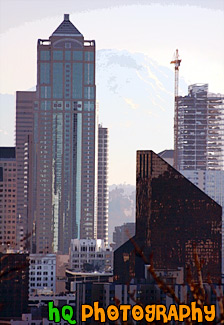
[61, 131]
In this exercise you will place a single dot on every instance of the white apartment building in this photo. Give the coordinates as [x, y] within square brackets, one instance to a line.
[90, 255]
[42, 273]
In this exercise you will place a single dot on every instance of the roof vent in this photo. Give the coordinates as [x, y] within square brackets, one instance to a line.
[66, 16]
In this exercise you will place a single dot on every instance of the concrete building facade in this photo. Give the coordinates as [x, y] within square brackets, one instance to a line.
[42, 274]
[90, 255]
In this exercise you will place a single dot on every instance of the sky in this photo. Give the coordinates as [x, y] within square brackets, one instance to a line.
[154, 28]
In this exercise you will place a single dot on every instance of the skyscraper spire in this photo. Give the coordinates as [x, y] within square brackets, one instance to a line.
[66, 28]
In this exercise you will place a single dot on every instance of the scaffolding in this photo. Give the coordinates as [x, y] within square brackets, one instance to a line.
[200, 130]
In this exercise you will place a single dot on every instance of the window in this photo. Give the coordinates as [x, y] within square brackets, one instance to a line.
[77, 80]
[89, 56]
[57, 55]
[77, 55]
[44, 73]
[67, 55]
[45, 55]
[57, 80]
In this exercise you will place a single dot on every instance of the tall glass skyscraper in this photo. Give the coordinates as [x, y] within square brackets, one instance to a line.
[62, 178]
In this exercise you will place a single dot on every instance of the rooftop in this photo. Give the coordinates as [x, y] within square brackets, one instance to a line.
[7, 152]
[66, 28]
[166, 153]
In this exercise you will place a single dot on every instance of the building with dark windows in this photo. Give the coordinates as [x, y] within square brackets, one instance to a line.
[174, 219]
[8, 193]
[103, 193]
[14, 284]
[55, 129]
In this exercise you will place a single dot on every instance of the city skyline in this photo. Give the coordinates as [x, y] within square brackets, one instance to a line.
[88, 98]
[136, 111]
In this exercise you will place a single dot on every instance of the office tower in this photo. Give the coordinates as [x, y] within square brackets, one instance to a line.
[62, 141]
[8, 194]
[14, 284]
[24, 133]
[200, 135]
[172, 216]
[103, 195]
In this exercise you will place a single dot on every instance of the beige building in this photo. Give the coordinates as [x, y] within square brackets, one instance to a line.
[8, 194]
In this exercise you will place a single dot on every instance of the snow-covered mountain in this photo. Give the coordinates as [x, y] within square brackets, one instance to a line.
[135, 96]
[136, 102]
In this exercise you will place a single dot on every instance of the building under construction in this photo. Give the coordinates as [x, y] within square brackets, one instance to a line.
[200, 132]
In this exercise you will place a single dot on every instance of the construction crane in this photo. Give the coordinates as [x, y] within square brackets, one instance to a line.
[176, 61]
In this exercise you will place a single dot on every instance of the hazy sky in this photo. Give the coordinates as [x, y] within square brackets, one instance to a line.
[155, 28]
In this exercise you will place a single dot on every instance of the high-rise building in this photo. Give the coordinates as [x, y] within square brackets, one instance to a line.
[59, 119]
[8, 192]
[24, 131]
[200, 134]
[200, 140]
[173, 218]
[102, 195]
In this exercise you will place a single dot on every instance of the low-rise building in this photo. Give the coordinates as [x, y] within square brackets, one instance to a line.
[90, 255]
[42, 273]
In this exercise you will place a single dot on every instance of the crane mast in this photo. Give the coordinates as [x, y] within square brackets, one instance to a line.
[176, 61]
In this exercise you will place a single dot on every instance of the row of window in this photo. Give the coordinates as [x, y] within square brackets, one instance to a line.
[42, 262]
[40, 273]
[32, 284]
[67, 55]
